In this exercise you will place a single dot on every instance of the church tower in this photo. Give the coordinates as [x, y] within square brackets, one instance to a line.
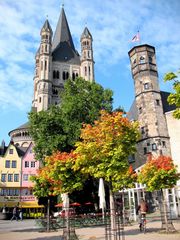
[87, 62]
[57, 60]
[148, 103]
[43, 71]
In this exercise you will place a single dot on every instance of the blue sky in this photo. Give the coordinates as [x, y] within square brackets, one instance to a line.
[112, 25]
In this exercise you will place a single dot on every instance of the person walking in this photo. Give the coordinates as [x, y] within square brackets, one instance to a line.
[20, 214]
[15, 211]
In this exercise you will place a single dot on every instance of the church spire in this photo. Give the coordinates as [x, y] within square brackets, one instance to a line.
[62, 33]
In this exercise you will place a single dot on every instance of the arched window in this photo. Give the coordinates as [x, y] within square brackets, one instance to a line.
[64, 76]
[46, 48]
[76, 74]
[67, 75]
[85, 71]
[154, 146]
[73, 76]
[88, 54]
[54, 74]
[45, 65]
[57, 74]
[41, 65]
[39, 99]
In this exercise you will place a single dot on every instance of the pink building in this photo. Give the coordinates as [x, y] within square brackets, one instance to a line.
[29, 168]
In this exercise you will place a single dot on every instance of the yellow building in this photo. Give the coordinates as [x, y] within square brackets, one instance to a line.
[10, 175]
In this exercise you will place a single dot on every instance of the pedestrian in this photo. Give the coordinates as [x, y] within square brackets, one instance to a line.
[15, 212]
[20, 214]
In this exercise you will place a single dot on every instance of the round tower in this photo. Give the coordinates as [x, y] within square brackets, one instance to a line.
[87, 62]
[44, 83]
[153, 127]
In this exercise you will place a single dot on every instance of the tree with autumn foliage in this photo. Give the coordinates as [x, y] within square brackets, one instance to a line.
[57, 176]
[104, 149]
[105, 146]
[160, 173]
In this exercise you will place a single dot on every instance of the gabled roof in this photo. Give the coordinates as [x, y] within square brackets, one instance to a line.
[63, 49]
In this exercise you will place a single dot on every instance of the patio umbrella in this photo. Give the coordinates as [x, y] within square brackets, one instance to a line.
[88, 203]
[75, 204]
[65, 199]
[59, 205]
[101, 194]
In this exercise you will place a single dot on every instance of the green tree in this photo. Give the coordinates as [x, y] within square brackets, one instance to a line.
[174, 98]
[59, 127]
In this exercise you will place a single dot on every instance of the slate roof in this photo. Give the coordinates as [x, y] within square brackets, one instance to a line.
[47, 26]
[62, 46]
[133, 112]
[24, 126]
[86, 33]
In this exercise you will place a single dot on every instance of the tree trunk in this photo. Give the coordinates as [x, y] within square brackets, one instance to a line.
[167, 224]
[112, 215]
[48, 215]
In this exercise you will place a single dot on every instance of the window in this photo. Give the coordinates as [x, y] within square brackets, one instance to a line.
[85, 71]
[145, 150]
[54, 74]
[26, 164]
[163, 143]
[14, 163]
[3, 177]
[41, 65]
[25, 177]
[16, 177]
[89, 70]
[7, 164]
[150, 59]
[142, 130]
[146, 86]
[45, 48]
[33, 164]
[10, 177]
[57, 73]
[140, 110]
[64, 76]
[45, 65]
[157, 102]
[39, 99]
[73, 76]
[154, 146]
[16, 192]
[10, 151]
[142, 60]
[67, 75]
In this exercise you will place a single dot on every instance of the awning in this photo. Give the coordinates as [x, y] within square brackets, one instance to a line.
[30, 205]
[9, 204]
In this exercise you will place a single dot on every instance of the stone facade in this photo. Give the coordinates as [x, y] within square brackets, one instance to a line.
[148, 103]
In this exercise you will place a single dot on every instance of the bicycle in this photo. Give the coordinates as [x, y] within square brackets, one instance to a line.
[142, 225]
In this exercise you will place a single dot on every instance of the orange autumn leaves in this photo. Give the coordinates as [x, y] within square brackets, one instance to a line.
[158, 173]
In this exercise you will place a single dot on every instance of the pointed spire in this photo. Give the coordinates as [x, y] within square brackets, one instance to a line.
[86, 33]
[62, 33]
[47, 27]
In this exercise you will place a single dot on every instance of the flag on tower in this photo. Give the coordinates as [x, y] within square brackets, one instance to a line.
[136, 38]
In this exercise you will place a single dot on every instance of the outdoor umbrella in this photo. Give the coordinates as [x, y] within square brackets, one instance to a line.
[101, 194]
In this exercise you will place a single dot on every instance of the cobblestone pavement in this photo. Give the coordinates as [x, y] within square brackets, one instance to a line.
[27, 230]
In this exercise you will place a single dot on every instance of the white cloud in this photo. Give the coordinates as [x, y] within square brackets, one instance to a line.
[112, 24]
